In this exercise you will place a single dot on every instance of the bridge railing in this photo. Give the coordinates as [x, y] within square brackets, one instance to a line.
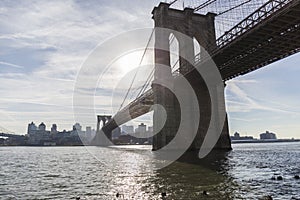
[252, 20]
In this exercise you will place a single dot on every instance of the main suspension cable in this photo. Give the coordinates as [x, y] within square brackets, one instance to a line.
[234, 7]
[203, 5]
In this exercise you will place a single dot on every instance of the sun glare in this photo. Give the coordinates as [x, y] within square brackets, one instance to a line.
[130, 61]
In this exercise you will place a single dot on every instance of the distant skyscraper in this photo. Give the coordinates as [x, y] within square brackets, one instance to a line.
[42, 127]
[142, 128]
[54, 128]
[88, 131]
[77, 127]
[236, 135]
[127, 129]
[31, 128]
[37, 136]
[140, 131]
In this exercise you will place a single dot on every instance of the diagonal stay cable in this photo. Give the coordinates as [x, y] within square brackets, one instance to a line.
[234, 7]
[172, 2]
[149, 79]
[147, 82]
[149, 40]
[150, 76]
[203, 5]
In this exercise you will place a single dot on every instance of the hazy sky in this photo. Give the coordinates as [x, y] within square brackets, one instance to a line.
[44, 43]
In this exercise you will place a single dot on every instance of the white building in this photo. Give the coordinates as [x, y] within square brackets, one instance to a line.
[127, 129]
[150, 129]
[141, 128]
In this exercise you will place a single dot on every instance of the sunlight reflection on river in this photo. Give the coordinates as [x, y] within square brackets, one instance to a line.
[70, 172]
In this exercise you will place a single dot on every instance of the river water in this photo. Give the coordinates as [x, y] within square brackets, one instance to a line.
[75, 172]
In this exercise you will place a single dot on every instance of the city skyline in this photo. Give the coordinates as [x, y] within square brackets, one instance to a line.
[38, 68]
[77, 124]
[125, 128]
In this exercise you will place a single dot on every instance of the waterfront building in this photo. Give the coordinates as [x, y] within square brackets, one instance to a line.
[125, 139]
[140, 131]
[142, 128]
[268, 136]
[77, 130]
[37, 135]
[54, 129]
[41, 137]
[31, 128]
[237, 136]
[127, 129]
[88, 131]
[89, 134]
[77, 127]
[42, 127]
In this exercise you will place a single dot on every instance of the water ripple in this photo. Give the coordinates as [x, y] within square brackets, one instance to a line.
[70, 172]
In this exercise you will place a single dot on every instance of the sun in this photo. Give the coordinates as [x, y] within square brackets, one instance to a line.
[131, 61]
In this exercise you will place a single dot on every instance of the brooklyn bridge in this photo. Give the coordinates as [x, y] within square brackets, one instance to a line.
[263, 32]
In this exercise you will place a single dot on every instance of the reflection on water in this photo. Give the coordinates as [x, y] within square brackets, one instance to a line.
[70, 172]
[188, 179]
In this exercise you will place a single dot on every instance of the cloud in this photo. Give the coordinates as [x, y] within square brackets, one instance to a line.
[239, 101]
[46, 43]
[11, 65]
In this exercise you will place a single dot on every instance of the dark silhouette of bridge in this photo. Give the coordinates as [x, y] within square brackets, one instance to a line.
[267, 35]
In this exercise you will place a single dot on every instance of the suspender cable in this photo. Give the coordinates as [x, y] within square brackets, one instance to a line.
[149, 79]
[149, 40]
[143, 88]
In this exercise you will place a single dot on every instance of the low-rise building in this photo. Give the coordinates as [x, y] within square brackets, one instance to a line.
[268, 136]
[237, 136]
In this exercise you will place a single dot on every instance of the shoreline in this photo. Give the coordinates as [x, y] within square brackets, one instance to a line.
[232, 142]
[264, 141]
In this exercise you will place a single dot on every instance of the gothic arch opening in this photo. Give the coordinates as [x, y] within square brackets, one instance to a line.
[174, 52]
[197, 49]
[101, 124]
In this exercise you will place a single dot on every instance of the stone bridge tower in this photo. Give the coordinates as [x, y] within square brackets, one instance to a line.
[202, 29]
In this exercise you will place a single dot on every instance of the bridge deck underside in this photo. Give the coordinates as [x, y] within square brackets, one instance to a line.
[133, 110]
[274, 38]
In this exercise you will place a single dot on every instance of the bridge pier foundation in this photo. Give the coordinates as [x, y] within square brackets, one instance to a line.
[167, 125]
[166, 98]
